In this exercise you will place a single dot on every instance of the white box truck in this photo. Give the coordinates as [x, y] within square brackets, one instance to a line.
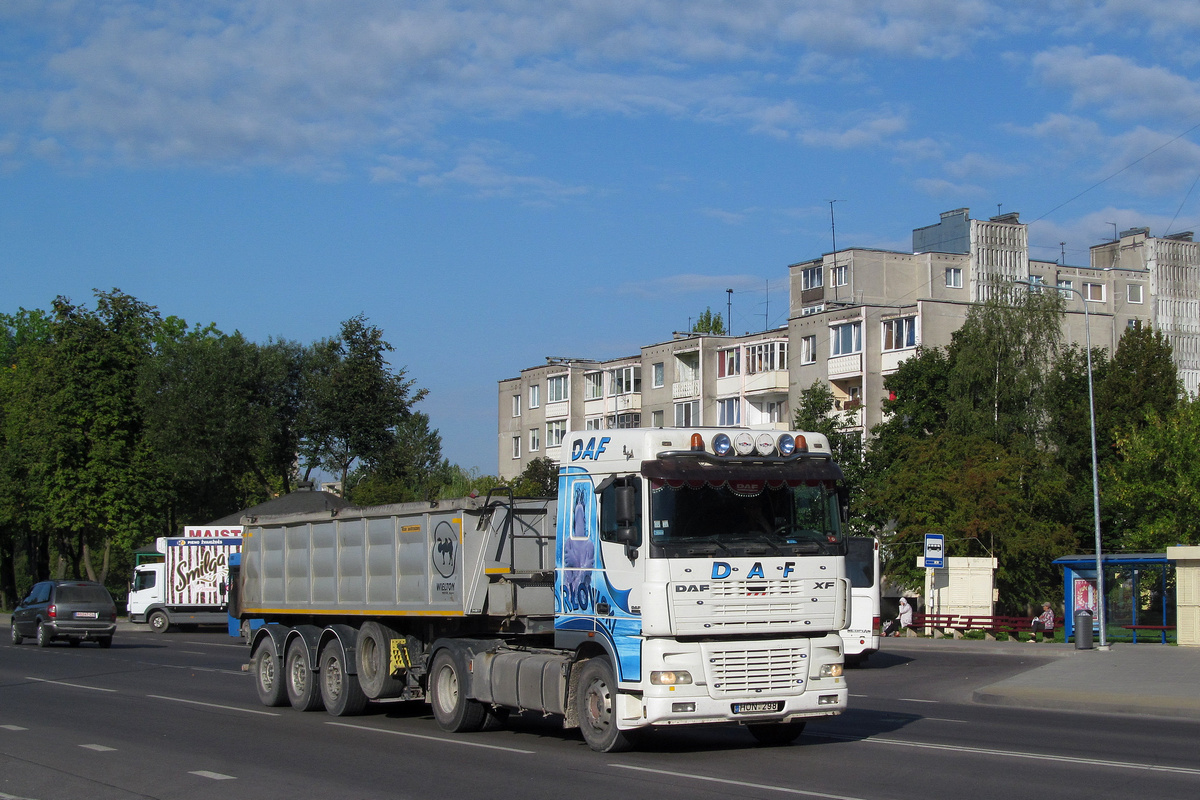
[681, 577]
[190, 586]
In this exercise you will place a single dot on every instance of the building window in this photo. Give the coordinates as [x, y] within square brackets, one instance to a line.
[899, 333]
[729, 412]
[808, 349]
[535, 395]
[687, 367]
[1066, 289]
[845, 339]
[1036, 282]
[776, 411]
[766, 357]
[593, 424]
[804, 312]
[555, 432]
[729, 362]
[1093, 292]
[953, 277]
[687, 414]
[624, 420]
[656, 372]
[593, 385]
[556, 389]
[838, 275]
[1133, 292]
[535, 441]
[516, 447]
[810, 278]
[627, 380]
[656, 419]
[516, 405]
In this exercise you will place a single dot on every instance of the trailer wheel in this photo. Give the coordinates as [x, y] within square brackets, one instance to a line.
[452, 709]
[595, 707]
[159, 622]
[303, 689]
[340, 691]
[267, 680]
[375, 662]
[774, 734]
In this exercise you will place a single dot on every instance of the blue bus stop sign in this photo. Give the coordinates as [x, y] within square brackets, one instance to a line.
[935, 551]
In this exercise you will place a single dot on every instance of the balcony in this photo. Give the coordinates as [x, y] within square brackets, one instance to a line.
[845, 366]
[681, 390]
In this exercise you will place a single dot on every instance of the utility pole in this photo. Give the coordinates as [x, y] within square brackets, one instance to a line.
[729, 312]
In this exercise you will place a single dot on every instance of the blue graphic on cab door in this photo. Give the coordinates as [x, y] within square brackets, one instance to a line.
[581, 584]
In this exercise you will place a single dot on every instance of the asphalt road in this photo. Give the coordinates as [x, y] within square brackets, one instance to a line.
[175, 717]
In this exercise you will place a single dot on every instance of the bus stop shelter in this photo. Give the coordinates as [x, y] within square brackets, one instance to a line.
[1139, 594]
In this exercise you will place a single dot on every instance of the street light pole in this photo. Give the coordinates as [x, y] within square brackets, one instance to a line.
[1087, 333]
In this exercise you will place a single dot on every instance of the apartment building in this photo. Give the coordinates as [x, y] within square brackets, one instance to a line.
[855, 316]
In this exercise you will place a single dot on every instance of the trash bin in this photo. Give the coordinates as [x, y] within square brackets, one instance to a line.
[1083, 629]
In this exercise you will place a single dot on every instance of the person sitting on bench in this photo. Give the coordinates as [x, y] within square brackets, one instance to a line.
[1043, 623]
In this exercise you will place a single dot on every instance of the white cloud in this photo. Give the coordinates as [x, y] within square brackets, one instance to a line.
[1118, 86]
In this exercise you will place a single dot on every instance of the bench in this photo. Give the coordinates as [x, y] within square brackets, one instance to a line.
[957, 624]
[1162, 629]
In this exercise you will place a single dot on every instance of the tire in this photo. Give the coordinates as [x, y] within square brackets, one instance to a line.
[595, 707]
[374, 659]
[43, 636]
[17, 638]
[340, 691]
[245, 632]
[268, 682]
[105, 642]
[159, 622]
[452, 709]
[74, 642]
[303, 688]
[775, 734]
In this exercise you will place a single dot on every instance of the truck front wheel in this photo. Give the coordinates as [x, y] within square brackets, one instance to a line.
[452, 709]
[596, 707]
[159, 622]
[774, 734]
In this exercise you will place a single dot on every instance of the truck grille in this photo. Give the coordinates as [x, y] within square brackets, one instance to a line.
[733, 671]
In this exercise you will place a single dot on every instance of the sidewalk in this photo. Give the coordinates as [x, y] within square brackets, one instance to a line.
[1145, 679]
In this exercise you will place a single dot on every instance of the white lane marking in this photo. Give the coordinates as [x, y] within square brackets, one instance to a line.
[192, 652]
[941, 719]
[99, 748]
[241, 646]
[744, 784]
[13, 728]
[216, 776]
[953, 748]
[213, 705]
[439, 739]
[914, 700]
[72, 685]
[196, 669]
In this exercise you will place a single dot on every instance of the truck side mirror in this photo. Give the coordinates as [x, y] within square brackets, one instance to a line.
[629, 532]
[843, 493]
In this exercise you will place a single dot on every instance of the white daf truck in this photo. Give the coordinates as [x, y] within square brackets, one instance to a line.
[681, 577]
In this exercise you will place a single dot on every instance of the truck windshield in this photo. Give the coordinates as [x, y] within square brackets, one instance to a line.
[790, 509]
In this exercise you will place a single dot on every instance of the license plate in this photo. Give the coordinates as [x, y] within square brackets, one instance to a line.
[758, 708]
[87, 615]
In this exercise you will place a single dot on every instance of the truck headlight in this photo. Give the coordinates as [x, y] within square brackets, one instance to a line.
[670, 678]
[831, 671]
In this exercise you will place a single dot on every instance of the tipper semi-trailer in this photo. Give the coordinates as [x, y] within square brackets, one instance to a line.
[681, 576]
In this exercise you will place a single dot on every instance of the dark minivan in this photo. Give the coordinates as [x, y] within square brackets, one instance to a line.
[71, 610]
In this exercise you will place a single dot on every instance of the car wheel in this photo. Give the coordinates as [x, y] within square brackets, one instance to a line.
[74, 642]
[452, 709]
[595, 707]
[159, 622]
[43, 635]
[105, 642]
[17, 638]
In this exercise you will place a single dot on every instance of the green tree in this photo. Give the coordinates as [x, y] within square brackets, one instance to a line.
[538, 479]
[708, 322]
[353, 405]
[1142, 382]
[1155, 484]
[816, 411]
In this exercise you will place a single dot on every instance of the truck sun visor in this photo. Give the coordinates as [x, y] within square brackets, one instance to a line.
[697, 472]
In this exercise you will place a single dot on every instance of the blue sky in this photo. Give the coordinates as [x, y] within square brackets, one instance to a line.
[495, 182]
